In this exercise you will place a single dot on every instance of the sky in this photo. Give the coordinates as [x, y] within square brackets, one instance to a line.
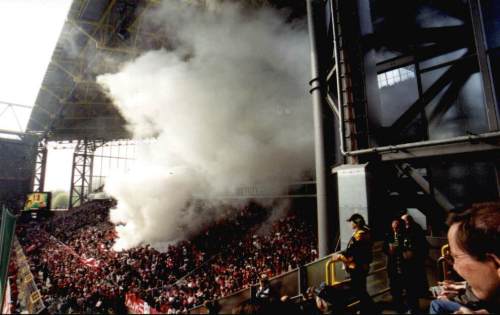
[29, 30]
[58, 171]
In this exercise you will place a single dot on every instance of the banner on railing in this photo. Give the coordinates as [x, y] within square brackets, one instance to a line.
[136, 305]
[7, 227]
[7, 302]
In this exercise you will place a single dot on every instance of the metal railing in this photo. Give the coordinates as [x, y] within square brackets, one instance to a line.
[326, 270]
[443, 263]
[331, 274]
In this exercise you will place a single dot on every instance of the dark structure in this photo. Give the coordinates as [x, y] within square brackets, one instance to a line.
[17, 164]
[414, 86]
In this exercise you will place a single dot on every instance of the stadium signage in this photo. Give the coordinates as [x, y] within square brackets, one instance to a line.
[37, 201]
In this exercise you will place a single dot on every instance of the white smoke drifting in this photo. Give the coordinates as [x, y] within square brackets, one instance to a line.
[229, 108]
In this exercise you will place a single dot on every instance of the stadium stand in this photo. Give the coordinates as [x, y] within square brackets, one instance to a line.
[78, 271]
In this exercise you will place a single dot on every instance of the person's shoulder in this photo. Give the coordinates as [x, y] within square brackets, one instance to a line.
[361, 235]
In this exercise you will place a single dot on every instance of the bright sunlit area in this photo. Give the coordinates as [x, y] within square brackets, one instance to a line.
[29, 30]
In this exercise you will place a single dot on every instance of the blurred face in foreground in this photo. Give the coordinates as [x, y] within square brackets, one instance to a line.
[482, 276]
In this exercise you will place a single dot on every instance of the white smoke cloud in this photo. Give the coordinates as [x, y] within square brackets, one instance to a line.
[229, 108]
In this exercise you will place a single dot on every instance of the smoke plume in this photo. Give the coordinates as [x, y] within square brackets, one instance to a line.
[227, 103]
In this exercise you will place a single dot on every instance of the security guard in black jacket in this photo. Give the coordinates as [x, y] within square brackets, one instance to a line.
[357, 258]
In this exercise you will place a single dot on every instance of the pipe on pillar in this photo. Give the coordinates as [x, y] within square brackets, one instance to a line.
[315, 14]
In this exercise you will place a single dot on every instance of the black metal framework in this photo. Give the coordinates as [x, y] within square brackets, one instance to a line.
[15, 111]
[410, 83]
[349, 101]
[40, 166]
[82, 168]
[345, 79]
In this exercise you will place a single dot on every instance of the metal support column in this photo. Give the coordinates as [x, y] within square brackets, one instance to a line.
[81, 174]
[484, 65]
[40, 166]
[315, 12]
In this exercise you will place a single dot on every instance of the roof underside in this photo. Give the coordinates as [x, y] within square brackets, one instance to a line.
[70, 105]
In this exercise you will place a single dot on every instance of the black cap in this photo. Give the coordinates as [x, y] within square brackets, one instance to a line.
[358, 219]
[355, 217]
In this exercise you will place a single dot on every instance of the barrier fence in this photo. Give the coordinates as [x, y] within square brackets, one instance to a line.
[294, 283]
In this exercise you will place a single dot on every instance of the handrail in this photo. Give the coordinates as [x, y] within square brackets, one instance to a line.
[328, 263]
[445, 250]
[331, 278]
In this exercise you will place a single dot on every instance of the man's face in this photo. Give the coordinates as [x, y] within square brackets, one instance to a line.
[354, 225]
[482, 276]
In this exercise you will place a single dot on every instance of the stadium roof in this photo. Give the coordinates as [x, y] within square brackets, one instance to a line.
[96, 38]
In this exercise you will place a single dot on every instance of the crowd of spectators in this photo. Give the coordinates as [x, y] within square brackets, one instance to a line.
[78, 271]
[69, 282]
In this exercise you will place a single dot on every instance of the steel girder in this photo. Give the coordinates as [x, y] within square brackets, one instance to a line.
[82, 168]
[40, 166]
[492, 111]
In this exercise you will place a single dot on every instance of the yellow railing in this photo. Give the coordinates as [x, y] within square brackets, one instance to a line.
[445, 267]
[331, 278]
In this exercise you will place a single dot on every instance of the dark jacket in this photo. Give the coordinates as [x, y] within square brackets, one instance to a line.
[416, 243]
[395, 261]
[359, 250]
[469, 300]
